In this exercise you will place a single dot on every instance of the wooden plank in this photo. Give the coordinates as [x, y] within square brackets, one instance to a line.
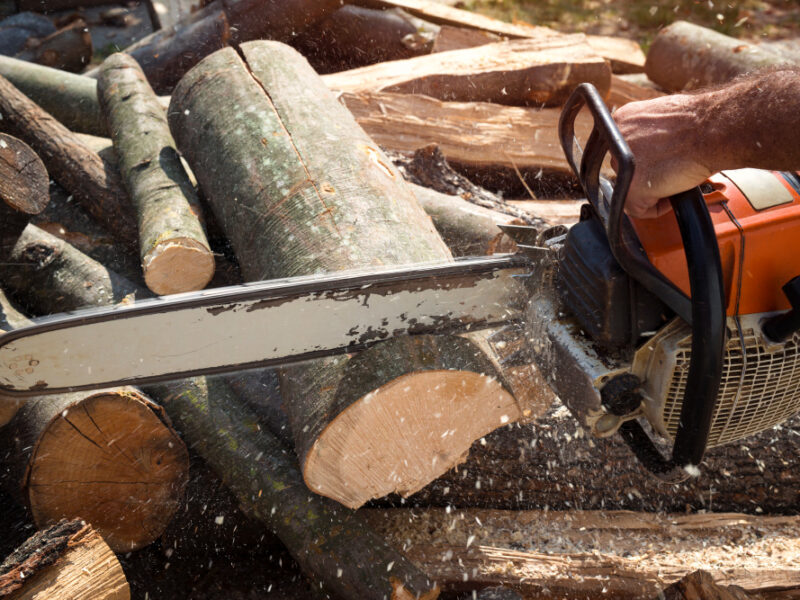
[473, 134]
[586, 554]
[527, 72]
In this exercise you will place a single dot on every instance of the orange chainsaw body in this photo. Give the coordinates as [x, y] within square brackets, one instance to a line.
[759, 242]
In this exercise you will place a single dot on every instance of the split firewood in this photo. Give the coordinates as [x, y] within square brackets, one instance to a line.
[552, 212]
[354, 37]
[700, 585]
[578, 554]
[482, 137]
[348, 208]
[623, 91]
[167, 54]
[79, 170]
[70, 98]
[457, 38]
[554, 463]
[16, 30]
[623, 54]
[69, 48]
[330, 543]
[110, 457]
[39, 262]
[441, 14]
[67, 560]
[24, 185]
[527, 72]
[684, 56]
[173, 247]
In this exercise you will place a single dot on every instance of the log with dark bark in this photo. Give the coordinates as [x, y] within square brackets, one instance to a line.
[67, 560]
[24, 185]
[354, 37]
[173, 248]
[330, 543]
[553, 463]
[684, 56]
[167, 54]
[602, 554]
[69, 48]
[39, 263]
[314, 194]
[109, 457]
[497, 142]
[528, 72]
[70, 98]
[79, 170]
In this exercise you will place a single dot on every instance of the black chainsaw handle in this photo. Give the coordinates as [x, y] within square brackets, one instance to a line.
[704, 311]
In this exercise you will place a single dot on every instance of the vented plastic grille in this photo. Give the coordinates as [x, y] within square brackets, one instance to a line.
[756, 393]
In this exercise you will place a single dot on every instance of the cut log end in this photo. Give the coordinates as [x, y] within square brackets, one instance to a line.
[24, 183]
[178, 265]
[114, 449]
[405, 434]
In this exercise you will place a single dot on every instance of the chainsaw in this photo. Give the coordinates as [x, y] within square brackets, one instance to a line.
[679, 330]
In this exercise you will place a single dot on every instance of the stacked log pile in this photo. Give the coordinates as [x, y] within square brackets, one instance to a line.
[255, 140]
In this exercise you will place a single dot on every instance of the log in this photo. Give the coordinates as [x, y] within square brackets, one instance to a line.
[70, 98]
[552, 212]
[79, 170]
[553, 463]
[331, 544]
[623, 91]
[69, 48]
[24, 185]
[39, 263]
[16, 30]
[67, 560]
[700, 586]
[166, 55]
[338, 204]
[684, 56]
[354, 37]
[110, 457]
[473, 136]
[173, 248]
[457, 38]
[528, 72]
[441, 14]
[623, 54]
[603, 554]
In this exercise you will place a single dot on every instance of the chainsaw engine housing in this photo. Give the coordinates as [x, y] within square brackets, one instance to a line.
[756, 217]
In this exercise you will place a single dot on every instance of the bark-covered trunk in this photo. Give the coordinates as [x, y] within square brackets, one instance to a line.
[330, 543]
[67, 560]
[109, 457]
[79, 170]
[173, 248]
[300, 189]
[69, 48]
[685, 56]
[528, 72]
[70, 98]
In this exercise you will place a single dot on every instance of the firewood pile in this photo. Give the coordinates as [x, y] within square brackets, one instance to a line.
[245, 140]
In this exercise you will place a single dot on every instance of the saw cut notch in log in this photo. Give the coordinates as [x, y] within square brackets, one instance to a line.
[173, 248]
[527, 72]
[66, 560]
[309, 201]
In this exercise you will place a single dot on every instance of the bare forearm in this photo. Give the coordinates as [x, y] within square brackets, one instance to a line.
[680, 140]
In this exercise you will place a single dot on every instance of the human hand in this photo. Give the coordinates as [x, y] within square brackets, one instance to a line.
[666, 137]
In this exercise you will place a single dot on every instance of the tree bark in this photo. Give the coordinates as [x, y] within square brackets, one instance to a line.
[79, 170]
[592, 555]
[70, 98]
[684, 56]
[173, 248]
[69, 48]
[66, 560]
[40, 263]
[314, 194]
[553, 463]
[110, 457]
[329, 542]
[354, 37]
[24, 185]
[528, 72]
